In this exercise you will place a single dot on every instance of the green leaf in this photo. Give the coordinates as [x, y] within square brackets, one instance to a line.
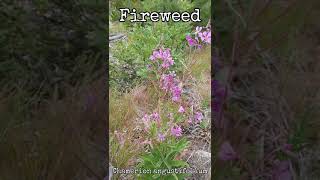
[155, 176]
[178, 163]
[171, 155]
[158, 164]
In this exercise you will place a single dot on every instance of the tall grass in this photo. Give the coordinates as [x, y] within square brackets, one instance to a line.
[272, 92]
[62, 139]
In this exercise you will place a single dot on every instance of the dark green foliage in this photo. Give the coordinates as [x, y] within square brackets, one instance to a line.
[49, 52]
[46, 45]
[271, 46]
[133, 54]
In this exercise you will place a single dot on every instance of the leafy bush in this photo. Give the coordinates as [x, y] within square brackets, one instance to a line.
[132, 55]
[163, 157]
[47, 45]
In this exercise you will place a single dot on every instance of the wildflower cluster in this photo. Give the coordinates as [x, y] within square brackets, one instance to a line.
[164, 129]
[169, 83]
[164, 55]
[172, 87]
[202, 35]
[148, 119]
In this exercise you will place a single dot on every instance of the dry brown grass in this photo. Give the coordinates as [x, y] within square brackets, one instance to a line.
[61, 139]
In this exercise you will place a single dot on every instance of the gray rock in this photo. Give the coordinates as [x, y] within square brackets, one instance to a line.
[116, 37]
[201, 160]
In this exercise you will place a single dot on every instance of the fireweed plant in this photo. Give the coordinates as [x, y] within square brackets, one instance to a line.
[163, 127]
[219, 94]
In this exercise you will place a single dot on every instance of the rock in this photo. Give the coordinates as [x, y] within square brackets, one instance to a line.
[201, 160]
[116, 37]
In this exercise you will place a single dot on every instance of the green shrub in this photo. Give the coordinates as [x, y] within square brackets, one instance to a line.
[46, 45]
[163, 157]
[132, 56]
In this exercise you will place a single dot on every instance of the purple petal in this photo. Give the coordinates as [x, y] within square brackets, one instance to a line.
[226, 152]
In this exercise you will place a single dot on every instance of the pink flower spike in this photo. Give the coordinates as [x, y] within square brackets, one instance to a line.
[155, 116]
[166, 54]
[146, 122]
[181, 110]
[161, 137]
[155, 55]
[176, 93]
[198, 116]
[191, 41]
[226, 152]
[176, 131]
[175, 98]
[205, 36]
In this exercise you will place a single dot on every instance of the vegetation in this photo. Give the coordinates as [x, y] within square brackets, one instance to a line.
[159, 87]
[52, 97]
[266, 95]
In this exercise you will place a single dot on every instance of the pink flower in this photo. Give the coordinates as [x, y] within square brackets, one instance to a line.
[167, 81]
[146, 122]
[181, 110]
[198, 116]
[164, 55]
[205, 36]
[176, 93]
[226, 152]
[155, 55]
[161, 137]
[191, 41]
[156, 117]
[167, 63]
[176, 131]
